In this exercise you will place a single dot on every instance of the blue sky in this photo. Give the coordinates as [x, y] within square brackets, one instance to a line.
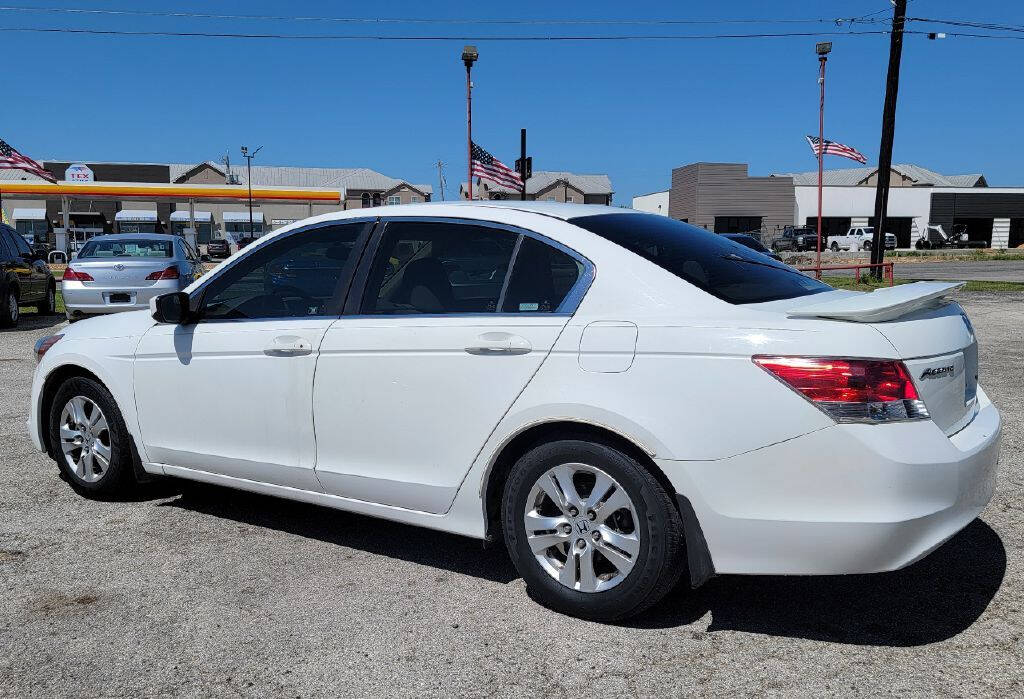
[630, 109]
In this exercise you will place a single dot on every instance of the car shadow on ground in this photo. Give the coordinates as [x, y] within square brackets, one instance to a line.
[930, 601]
[30, 320]
[458, 554]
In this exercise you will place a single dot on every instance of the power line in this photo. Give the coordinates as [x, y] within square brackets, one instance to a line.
[966, 23]
[412, 20]
[446, 37]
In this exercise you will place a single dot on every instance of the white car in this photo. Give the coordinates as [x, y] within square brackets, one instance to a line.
[620, 397]
[858, 239]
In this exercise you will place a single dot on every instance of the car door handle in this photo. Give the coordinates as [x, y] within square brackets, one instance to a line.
[499, 343]
[288, 346]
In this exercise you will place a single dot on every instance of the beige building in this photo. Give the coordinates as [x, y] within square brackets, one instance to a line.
[554, 186]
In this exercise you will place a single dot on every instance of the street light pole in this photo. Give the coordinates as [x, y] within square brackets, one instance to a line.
[469, 56]
[823, 50]
[248, 177]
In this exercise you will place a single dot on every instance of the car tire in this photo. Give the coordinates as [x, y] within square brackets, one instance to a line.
[102, 465]
[9, 311]
[834, 247]
[648, 530]
[48, 306]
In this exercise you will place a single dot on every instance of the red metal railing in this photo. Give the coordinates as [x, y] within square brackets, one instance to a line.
[887, 270]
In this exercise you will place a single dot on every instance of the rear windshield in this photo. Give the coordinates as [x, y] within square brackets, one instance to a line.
[126, 247]
[719, 266]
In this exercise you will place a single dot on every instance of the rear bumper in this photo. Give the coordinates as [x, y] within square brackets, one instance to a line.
[81, 299]
[845, 499]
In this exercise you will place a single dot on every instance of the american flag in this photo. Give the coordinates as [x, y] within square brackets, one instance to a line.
[833, 148]
[487, 167]
[10, 159]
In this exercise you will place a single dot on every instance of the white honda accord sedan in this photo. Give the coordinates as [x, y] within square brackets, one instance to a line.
[623, 399]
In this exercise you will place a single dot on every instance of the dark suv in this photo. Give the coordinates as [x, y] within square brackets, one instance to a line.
[796, 238]
[25, 279]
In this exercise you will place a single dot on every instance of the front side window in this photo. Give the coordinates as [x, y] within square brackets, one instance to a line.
[708, 261]
[435, 267]
[125, 247]
[298, 276]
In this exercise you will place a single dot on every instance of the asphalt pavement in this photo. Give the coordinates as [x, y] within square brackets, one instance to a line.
[199, 590]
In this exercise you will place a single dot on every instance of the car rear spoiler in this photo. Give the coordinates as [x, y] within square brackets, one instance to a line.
[880, 305]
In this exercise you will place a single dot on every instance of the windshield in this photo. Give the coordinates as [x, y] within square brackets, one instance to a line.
[710, 262]
[125, 247]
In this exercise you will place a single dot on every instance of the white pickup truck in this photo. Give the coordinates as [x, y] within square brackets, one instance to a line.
[857, 239]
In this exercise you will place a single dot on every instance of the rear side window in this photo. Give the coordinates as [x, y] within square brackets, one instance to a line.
[542, 277]
[126, 247]
[710, 262]
[438, 268]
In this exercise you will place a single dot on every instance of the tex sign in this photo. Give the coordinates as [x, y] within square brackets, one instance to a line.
[79, 173]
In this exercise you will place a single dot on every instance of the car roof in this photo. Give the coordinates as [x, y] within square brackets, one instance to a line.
[135, 236]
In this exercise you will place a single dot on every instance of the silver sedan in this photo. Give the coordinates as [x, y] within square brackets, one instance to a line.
[122, 272]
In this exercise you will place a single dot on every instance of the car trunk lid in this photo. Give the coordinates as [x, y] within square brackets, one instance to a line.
[121, 272]
[931, 334]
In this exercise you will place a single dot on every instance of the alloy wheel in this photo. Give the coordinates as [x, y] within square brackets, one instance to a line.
[582, 527]
[85, 439]
[12, 307]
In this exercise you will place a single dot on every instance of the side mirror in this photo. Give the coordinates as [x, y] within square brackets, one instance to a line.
[170, 308]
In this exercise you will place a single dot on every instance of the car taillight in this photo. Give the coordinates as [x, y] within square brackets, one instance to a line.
[168, 273]
[850, 390]
[43, 344]
[71, 275]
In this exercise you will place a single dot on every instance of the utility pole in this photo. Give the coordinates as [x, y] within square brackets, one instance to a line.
[469, 56]
[892, 83]
[522, 163]
[248, 176]
[440, 177]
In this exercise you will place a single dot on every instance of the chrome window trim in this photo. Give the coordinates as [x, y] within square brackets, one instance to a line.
[569, 304]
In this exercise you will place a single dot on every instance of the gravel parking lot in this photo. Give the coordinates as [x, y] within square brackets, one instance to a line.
[199, 590]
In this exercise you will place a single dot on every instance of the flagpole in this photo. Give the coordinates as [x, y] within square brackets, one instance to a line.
[822, 57]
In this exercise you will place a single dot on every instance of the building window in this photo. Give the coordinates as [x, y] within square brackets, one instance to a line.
[376, 198]
[570, 199]
[550, 199]
[366, 200]
[415, 199]
[394, 199]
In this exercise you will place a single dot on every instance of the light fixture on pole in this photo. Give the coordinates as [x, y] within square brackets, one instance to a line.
[469, 56]
[248, 176]
[823, 49]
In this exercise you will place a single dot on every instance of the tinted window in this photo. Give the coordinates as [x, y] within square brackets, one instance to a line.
[126, 247]
[709, 262]
[20, 246]
[6, 244]
[298, 276]
[541, 278]
[433, 267]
